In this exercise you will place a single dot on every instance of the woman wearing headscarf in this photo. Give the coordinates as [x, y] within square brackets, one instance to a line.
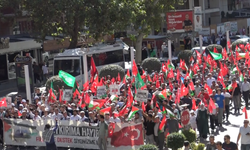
[202, 117]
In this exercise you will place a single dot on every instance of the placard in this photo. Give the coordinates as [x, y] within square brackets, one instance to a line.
[142, 95]
[67, 94]
[114, 89]
[8, 102]
[101, 92]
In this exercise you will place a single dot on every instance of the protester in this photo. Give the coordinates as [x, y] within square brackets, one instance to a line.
[228, 145]
[211, 145]
[103, 134]
[48, 137]
[244, 135]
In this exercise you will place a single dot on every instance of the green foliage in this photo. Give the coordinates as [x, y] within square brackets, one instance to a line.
[151, 63]
[148, 147]
[57, 83]
[201, 146]
[212, 46]
[175, 140]
[238, 42]
[185, 55]
[193, 146]
[190, 135]
[111, 70]
[69, 18]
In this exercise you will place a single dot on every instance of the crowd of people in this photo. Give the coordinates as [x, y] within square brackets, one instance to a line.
[207, 88]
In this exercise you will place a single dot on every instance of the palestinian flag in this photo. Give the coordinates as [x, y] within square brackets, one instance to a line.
[168, 112]
[191, 73]
[171, 66]
[127, 76]
[139, 83]
[241, 77]
[229, 87]
[113, 98]
[96, 104]
[132, 112]
[234, 70]
[163, 94]
[242, 56]
[163, 122]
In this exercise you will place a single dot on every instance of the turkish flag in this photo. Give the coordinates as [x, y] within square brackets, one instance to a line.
[111, 129]
[127, 135]
[3, 102]
[93, 70]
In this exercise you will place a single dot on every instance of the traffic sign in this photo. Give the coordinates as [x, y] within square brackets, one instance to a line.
[185, 117]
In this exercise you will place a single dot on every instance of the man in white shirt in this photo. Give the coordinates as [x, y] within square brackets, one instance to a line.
[46, 115]
[114, 118]
[210, 79]
[45, 72]
[57, 115]
[244, 134]
[245, 87]
[35, 116]
[75, 116]
[83, 117]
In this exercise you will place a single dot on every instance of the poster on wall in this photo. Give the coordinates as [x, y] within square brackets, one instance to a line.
[220, 29]
[248, 22]
[197, 19]
[181, 21]
[234, 27]
[227, 26]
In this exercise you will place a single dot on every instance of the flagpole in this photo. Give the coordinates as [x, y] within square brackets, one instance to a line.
[85, 68]
[169, 51]
[132, 55]
[228, 39]
[201, 43]
[27, 82]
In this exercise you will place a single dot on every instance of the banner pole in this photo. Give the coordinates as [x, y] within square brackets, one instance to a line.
[85, 68]
[27, 83]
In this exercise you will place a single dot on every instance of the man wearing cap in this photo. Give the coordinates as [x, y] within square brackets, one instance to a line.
[83, 117]
[48, 137]
[46, 114]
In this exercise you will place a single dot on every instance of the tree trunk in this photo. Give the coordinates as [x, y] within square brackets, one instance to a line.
[138, 47]
[74, 35]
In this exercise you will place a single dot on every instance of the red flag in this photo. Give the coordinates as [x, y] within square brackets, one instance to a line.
[224, 54]
[143, 107]
[86, 98]
[163, 122]
[86, 86]
[19, 114]
[134, 69]
[76, 94]
[194, 107]
[128, 73]
[209, 90]
[118, 77]
[111, 129]
[163, 68]
[123, 111]
[215, 50]
[170, 85]
[184, 90]
[191, 85]
[245, 111]
[3, 102]
[171, 73]
[128, 135]
[130, 98]
[149, 79]
[211, 105]
[103, 111]
[52, 96]
[60, 95]
[178, 75]
[157, 85]
[93, 70]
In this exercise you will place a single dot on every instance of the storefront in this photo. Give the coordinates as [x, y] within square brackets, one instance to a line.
[12, 47]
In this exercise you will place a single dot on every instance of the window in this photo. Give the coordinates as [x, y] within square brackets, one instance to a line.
[231, 4]
[71, 66]
[107, 58]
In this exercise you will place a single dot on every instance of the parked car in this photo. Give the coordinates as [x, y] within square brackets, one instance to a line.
[236, 37]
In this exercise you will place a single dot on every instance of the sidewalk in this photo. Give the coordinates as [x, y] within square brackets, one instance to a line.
[7, 87]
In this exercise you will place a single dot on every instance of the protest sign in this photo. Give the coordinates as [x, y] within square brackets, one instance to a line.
[142, 95]
[8, 102]
[70, 134]
[101, 92]
[114, 89]
[67, 94]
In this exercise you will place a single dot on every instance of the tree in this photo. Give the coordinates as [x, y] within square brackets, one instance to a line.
[146, 15]
[69, 18]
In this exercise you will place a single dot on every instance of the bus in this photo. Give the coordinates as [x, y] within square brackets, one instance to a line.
[72, 60]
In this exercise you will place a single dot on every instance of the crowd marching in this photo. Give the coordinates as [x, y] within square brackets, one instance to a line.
[208, 87]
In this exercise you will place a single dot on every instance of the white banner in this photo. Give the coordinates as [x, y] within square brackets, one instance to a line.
[101, 92]
[220, 29]
[70, 134]
[197, 19]
[234, 27]
[67, 94]
[114, 89]
[142, 95]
